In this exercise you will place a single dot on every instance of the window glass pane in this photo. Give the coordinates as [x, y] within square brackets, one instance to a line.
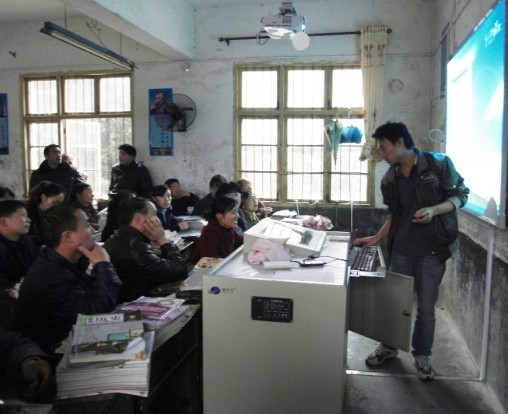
[349, 187]
[42, 97]
[259, 89]
[259, 131]
[347, 89]
[115, 94]
[305, 187]
[264, 185]
[93, 143]
[306, 88]
[305, 131]
[78, 95]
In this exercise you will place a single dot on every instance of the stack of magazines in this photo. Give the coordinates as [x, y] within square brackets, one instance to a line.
[106, 353]
[163, 315]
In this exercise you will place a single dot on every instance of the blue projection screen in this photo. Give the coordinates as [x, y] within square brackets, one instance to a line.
[475, 117]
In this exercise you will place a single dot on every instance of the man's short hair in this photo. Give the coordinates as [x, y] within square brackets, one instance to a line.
[222, 205]
[217, 181]
[129, 149]
[56, 221]
[130, 208]
[170, 181]
[392, 131]
[6, 193]
[48, 148]
[9, 207]
[228, 188]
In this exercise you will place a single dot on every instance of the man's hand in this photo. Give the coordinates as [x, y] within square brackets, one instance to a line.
[96, 254]
[366, 241]
[183, 225]
[266, 210]
[154, 231]
[36, 372]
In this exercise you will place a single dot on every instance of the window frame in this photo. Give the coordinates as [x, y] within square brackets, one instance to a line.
[282, 113]
[61, 115]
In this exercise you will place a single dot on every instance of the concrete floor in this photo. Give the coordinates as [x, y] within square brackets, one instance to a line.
[394, 387]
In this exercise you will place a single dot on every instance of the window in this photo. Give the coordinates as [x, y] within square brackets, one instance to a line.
[87, 115]
[281, 145]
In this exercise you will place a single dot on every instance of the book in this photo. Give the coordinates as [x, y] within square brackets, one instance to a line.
[152, 308]
[202, 268]
[107, 337]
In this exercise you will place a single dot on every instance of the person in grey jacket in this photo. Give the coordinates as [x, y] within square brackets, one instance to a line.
[139, 267]
[422, 191]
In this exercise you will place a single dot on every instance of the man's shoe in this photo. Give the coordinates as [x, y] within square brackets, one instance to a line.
[381, 354]
[423, 367]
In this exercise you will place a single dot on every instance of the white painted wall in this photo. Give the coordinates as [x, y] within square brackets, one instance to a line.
[207, 148]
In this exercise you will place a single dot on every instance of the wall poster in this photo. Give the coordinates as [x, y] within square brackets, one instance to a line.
[161, 121]
[4, 130]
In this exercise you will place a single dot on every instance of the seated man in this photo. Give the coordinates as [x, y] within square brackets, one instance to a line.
[57, 286]
[17, 253]
[22, 359]
[140, 269]
[262, 210]
[181, 200]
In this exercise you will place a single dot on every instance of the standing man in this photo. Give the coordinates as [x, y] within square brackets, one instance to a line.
[57, 286]
[422, 191]
[129, 174]
[54, 170]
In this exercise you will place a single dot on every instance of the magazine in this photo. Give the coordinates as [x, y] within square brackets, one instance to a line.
[107, 337]
[152, 308]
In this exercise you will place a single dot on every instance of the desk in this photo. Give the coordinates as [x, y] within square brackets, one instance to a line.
[182, 350]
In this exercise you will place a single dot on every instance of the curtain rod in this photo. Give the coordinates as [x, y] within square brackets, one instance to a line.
[229, 39]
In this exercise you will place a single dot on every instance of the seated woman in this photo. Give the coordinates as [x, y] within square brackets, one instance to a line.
[161, 197]
[203, 206]
[114, 207]
[249, 207]
[82, 197]
[219, 237]
[40, 199]
[181, 200]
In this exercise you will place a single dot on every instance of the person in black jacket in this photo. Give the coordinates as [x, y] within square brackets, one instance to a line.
[22, 359]
[129, 174]
[52, 169]
[57, 286]
[422, 191]
[139, 267]
[17, 253]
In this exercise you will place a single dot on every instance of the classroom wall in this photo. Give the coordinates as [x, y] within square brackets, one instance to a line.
[210, 83]
[465, 287]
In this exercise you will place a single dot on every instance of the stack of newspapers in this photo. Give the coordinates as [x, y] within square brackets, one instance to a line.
[106, 353]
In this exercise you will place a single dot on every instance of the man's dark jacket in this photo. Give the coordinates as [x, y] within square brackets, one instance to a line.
[55, 290]
[15, 259]
[134, 177]
[139, 267]
[14, 349]
[436, 181]
[64, 175]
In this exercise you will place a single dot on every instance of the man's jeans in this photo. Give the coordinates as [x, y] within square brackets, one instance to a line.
[428, 272]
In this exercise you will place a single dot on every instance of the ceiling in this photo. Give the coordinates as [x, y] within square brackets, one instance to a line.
[20, 11]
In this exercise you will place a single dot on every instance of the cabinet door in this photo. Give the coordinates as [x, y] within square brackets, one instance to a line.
[380, 308]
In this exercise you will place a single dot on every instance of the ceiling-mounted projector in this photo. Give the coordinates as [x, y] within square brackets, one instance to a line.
[284, 24]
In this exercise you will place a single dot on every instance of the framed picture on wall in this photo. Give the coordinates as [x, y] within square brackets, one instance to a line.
[4, 130]
[160, 121]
